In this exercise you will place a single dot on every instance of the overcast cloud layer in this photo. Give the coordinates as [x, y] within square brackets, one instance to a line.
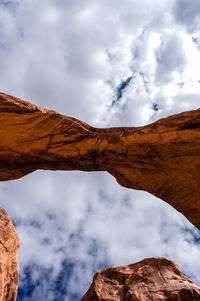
[108, 63]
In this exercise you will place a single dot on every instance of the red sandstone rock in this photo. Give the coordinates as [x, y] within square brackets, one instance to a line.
[154, 279]
[9, 246]
[162, 158]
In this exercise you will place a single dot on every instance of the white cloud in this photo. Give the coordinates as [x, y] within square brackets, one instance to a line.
[170, 58]
[187, 13]
[72, 56]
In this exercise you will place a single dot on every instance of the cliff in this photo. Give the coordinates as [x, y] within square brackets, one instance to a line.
[154, 279]
[9, 246]
[162, 158]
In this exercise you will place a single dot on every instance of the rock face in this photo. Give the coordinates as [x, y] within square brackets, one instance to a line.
[154, 279]
[162, 158]
[9, 246]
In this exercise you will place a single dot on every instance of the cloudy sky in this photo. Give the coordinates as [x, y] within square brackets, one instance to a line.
[108, 63]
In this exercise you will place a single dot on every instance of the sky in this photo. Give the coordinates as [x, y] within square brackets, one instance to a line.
[108, 63]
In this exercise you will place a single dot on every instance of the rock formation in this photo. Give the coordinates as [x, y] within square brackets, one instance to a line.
[9, 246]
[162, 158]
[154, 279]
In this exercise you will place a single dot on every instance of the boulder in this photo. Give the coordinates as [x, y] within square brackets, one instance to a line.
[152, 279]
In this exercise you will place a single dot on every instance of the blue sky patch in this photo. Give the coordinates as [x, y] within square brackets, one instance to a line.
[120, 89]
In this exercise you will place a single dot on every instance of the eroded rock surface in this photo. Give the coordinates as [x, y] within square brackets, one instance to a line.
[162, 158]
[9, 246]
[154, 279]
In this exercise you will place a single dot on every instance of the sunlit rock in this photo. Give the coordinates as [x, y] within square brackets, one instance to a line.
[9, 246]
[153, 279]
[162, 158]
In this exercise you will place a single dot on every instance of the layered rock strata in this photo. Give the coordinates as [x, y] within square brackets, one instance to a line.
[162, 158]
[9, 246]
[154, 279]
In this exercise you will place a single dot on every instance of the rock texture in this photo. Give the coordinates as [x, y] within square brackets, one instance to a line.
[162, 158]
[154, 279]
[9, 246]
